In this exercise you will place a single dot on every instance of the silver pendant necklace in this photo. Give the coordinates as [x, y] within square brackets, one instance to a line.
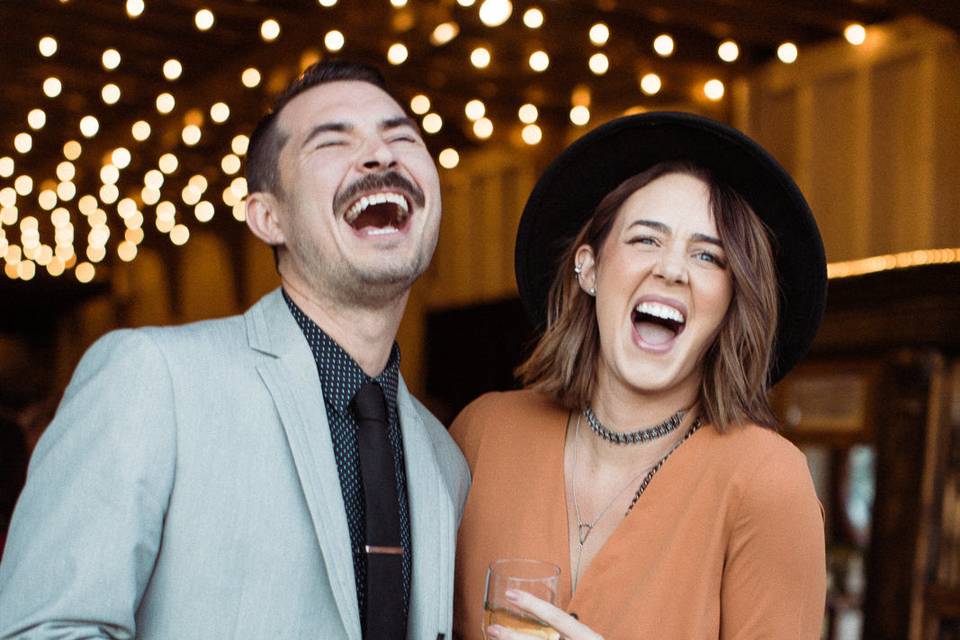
[584, 529]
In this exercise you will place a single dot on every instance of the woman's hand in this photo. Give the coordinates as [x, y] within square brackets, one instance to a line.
[566, 625]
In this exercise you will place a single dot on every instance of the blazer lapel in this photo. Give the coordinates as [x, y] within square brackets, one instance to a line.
[431, 525]
[292, 380]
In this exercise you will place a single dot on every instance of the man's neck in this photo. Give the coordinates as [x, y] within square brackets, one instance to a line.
[366, 334]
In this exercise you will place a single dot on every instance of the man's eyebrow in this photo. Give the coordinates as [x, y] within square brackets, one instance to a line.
[662, 228]
[399, 121]
[326, 127]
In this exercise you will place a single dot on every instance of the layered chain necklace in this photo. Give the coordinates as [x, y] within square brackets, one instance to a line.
[584, 529]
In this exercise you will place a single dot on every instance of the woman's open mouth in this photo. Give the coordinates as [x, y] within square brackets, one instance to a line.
[657, 324]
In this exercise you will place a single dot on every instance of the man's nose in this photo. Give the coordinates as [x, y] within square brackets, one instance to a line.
[378, 156]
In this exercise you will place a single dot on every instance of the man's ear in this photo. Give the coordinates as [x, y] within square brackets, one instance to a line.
[263, 213]
[586, 268]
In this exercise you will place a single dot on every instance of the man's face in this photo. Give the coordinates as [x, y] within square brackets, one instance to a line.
[360, 197]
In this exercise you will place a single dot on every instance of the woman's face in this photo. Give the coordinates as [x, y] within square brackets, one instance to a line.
[662, 289]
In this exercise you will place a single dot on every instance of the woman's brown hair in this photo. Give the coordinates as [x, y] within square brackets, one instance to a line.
[736, 367]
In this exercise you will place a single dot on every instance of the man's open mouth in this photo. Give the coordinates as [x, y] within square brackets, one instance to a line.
[379, 213]
[657, 324]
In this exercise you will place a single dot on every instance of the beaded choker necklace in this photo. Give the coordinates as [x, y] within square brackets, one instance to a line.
[634, 437]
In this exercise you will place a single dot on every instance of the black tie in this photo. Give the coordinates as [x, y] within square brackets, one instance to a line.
[385, 615]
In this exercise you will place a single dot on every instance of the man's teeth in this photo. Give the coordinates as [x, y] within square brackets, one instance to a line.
[658, 310]
[374, 231]
[376, 198]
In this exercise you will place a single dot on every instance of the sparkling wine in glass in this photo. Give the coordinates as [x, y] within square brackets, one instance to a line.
[533, 576]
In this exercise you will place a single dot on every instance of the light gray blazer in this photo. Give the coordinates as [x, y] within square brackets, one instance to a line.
[187, 489]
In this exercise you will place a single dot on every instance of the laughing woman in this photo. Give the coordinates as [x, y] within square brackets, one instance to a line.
[678, 272]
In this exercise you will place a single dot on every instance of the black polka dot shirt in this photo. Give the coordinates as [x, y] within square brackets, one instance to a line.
[341, 378]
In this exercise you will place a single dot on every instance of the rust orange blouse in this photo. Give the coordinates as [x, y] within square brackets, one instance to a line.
[727, 541]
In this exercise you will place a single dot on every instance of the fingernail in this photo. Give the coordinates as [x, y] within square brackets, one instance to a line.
[493, 631]
[512, 595]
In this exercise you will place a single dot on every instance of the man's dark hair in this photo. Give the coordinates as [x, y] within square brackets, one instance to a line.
[267, 140]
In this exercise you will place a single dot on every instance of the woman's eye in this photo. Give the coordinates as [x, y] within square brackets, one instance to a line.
[712, 258]
[330, 143]
[647, 240]
[404, 138]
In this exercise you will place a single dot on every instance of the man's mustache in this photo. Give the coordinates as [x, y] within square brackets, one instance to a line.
[378, 182]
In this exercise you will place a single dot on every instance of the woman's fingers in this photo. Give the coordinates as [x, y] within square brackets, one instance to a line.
[566, 625]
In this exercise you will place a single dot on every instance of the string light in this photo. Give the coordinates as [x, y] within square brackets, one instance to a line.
[110, 93]
[23, 142]
[533, 18]
[599, 63]
[269, 30]
[432, 123]
[327, 3]
[203, 19]
[230, 164]
[528, 113]
[902, 260]
[663, 45]
[539, 61]
[650, 84]
[109, 174]
[219, 112]
[580, 115]
[110, 59]
[713, 89]
[494, 13]
[239, 144]
[474, 110]
[89, 126]
[444, 33]
[787, 52]
[398, 3]
[52, 87]
[72, 149]
[420, 104]
[121, 157]
[172, 69]
[334, 40]
[483, 128]
[250, 77]
[856, 34]
[47, 46]
[135, 8]
[728, 51]
[7, 167]
[140, 130]
[449, 158]
[599, 34]
[36, 118]
[397, 53]
[166, 103]
[480, 57]
[167, 164]
[531, 134]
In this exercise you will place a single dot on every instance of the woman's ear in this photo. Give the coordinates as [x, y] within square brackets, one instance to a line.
[585, 268]
[263, 218]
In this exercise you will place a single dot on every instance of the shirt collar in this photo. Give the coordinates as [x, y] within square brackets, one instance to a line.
[340, 375]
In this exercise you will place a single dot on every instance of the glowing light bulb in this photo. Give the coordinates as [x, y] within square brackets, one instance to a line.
[580, 115]
[474, 110]
[110, 59]
[539, 61]
[432, 123]
[599, 34]
[599, 63]
[663, 45]
[713, 89]
[52, 87]
[203, 19]
[135, 8]
[250, 77]
[480, 57]
[528, 113]
[140, 130]
[483, 128]
[444, 33]
[449, 158]
[494, 13]
[269, 30]
[47, 46]
[533, 18]
[334, 40]
[89, 126]
[219, 112]
[728, 51]
[856, 34]
[165, 103]
[650, 84]
[172, 69]
[787, 52]
[36, 118]
[420, 104]
[397, 53]
[110, 93]
[532, 134]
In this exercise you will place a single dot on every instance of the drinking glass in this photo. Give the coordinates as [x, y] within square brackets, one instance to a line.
[536, 577]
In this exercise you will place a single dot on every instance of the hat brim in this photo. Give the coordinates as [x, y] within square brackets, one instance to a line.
[575, 182]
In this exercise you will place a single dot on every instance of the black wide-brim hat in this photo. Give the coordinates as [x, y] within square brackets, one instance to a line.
[575, 182]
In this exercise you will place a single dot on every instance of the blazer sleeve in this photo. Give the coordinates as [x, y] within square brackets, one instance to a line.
[774, 578]
[87, 528]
